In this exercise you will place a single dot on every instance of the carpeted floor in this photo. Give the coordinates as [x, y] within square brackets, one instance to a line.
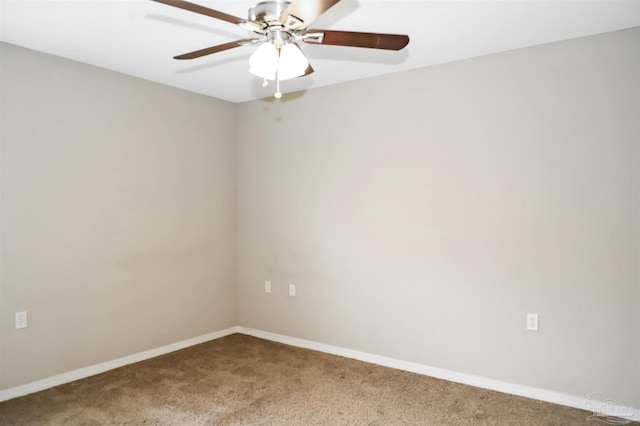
[244, 380]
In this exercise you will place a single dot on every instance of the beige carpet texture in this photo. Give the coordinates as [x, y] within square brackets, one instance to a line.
[243, 380]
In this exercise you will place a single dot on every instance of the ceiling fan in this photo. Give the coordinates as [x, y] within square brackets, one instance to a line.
[280, 24]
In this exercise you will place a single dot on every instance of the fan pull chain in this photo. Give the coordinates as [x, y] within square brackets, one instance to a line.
[278, 94]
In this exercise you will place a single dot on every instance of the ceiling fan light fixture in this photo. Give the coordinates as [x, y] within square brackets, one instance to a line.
[264, 61]
[292, 62]
[287, 62]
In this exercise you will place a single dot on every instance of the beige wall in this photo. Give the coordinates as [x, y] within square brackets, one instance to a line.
[118, 215]
[423, 214]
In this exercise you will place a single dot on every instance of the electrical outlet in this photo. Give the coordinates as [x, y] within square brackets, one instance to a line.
[267, 286]
[292, 290]
[21, 319]
[532, 322]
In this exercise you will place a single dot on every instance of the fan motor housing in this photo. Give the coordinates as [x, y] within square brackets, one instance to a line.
[268, 11]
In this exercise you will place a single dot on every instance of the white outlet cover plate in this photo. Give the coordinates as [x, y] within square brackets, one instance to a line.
[21, 319]
[532, 322]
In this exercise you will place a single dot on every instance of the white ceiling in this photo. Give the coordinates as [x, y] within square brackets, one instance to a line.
[140, 37]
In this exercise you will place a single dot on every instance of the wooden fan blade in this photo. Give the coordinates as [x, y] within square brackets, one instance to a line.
[355, 39]
[181, 4]
[216, 49]
[301, 13]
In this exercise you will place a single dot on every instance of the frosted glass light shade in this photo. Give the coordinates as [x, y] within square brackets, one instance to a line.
[290, 63]
[264, 61]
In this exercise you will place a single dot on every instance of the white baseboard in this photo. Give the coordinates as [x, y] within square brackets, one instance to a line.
[583, 403]
[452, 376]
[92, 370]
